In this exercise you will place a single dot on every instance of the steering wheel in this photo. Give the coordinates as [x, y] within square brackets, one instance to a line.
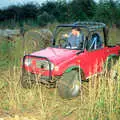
[67, 45]
[62, 43]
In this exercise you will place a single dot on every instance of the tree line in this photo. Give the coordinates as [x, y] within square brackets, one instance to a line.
[107, 11]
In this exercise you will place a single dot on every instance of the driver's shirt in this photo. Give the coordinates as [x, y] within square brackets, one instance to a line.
[75, 40]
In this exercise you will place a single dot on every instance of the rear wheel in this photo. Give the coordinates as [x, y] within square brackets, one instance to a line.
[110, 67]
[69, 85]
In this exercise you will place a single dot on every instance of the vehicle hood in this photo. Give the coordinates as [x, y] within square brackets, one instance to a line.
[56, 55]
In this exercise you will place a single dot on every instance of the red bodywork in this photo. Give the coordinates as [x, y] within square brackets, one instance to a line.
[91, 62]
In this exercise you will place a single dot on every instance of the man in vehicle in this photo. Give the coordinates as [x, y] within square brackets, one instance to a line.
[75, 38]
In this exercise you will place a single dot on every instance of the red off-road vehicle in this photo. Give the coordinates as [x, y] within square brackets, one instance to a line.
[64, 65]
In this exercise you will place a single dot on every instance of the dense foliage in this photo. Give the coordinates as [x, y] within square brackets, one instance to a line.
[107, 11]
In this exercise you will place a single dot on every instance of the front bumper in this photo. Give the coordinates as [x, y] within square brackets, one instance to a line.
[35, 78]
[47, 77]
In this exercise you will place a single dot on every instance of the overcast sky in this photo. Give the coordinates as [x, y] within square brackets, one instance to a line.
[5, 3]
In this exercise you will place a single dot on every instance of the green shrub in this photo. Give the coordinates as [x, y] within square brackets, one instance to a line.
[45, 18]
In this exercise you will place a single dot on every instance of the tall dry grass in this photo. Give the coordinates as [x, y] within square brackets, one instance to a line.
[99, 98]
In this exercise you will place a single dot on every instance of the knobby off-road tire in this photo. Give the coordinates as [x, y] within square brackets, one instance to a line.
[111, 68]
[27, 80]
[69, 85]
[35, 40]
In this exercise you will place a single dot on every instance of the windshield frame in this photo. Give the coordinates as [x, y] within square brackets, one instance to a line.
[89, 26]
[68, 26]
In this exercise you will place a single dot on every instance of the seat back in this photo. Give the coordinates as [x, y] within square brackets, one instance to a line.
[95, 42]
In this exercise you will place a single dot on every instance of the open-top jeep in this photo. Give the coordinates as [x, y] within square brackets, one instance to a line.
[64, 65]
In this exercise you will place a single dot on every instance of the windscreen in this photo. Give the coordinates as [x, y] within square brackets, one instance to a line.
[70, 37]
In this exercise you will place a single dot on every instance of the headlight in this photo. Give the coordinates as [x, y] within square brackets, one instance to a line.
[28, 61]
[43, 64]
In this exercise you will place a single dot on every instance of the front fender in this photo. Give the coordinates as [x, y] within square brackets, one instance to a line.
[72, 68]
[79, 69]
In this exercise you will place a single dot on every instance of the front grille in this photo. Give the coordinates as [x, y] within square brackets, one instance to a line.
[39, 62]
[43, 64]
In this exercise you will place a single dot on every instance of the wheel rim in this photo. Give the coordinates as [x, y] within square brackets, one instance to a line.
[69, 88]
[76, 86]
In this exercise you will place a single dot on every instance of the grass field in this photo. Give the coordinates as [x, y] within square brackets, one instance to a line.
[99, 98]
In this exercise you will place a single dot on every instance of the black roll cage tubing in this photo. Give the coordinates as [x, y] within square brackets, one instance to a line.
[89, 26]
[50, 71]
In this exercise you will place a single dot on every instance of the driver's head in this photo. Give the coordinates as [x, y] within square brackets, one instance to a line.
[75, 31]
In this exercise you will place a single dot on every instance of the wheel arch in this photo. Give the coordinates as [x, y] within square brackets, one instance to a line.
[115, 56]
[76, 68]
[109, 60]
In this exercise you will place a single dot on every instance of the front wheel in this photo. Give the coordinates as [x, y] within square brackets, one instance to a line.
[69, 85]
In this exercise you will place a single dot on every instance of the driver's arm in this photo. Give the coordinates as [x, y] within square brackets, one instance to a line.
[65, 35]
